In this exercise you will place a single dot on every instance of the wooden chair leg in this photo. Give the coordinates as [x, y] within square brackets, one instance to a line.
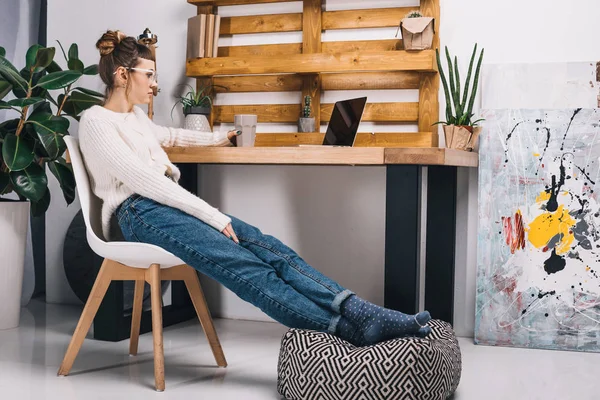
[153, 278]
[136, 317]
[193, 286]
[87, 316]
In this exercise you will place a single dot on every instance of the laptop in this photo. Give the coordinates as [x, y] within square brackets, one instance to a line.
[343, 124]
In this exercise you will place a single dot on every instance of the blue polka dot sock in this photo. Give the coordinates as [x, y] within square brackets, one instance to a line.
[374, 324]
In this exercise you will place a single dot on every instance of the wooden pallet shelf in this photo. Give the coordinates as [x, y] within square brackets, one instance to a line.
[423, 61]
[312, 66]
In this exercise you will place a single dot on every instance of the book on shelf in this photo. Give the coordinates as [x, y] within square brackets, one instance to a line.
[210, 35]
[196, 36]
[216, 35]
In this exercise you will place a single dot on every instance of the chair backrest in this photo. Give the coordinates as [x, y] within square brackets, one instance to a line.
[91, 206]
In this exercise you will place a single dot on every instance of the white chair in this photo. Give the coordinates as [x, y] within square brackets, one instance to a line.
[132, 261]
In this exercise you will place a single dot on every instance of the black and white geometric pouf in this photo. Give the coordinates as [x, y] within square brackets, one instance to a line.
[319, 366]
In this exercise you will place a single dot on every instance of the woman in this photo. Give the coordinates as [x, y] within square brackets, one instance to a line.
[137, 183]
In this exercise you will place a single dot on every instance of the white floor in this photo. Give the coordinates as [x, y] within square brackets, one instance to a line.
[30, 356]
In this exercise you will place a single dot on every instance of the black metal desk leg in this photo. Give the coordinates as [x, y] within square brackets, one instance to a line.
[403, 188]
[440, 242]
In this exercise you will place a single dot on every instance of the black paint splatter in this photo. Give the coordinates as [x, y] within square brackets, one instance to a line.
[554, 264]
[508, 138]
[586, 175]
[569, 127]
[552, 204]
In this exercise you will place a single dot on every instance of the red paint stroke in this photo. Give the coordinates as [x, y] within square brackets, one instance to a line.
[515, 238]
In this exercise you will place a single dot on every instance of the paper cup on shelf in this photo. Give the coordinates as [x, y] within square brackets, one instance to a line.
[247, 124]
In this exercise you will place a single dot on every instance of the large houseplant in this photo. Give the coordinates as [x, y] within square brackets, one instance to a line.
[30, 141]
[461, 131]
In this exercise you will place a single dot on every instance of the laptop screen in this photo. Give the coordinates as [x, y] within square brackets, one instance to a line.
[343, 125]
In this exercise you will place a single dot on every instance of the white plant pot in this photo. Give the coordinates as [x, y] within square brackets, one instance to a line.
[197, 122]
[14, 222]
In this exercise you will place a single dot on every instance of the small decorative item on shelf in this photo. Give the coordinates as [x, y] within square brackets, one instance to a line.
[417, 31]
[459, 130]
[306, 123]
[196, 107]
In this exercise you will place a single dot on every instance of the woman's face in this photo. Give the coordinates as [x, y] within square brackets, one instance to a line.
[142, 82]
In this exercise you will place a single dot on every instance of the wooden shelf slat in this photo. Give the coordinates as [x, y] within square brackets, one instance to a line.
[284, 49]
[268, 113]
[365, 18]
[322, 156]
[233, 2]
[363, 139]
[261, 24]
[342, 81]
[313, 63]
[259, 83]
[371, 80]
[362, 46]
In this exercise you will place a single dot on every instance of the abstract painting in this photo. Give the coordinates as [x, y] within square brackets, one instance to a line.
[538, 266]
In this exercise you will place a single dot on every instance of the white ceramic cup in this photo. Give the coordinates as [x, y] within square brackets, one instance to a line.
[247, 124]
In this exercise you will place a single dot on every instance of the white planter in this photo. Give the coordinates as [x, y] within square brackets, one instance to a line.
[14, 222]
[197, 122]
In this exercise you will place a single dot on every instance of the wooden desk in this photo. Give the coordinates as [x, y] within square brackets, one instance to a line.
[414, 175]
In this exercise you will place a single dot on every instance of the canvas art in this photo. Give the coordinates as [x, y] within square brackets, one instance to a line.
[538, 281]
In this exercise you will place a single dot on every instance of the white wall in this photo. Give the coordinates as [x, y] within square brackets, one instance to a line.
[290, 202]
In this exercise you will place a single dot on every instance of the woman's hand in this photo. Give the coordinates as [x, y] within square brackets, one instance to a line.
[232, 134]
[228, 231]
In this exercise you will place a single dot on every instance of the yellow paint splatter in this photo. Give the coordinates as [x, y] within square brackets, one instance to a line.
[542, 197]
[587, 268]
[549, 224]
[536, 154]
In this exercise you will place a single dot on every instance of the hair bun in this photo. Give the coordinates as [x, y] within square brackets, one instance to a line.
[107, 43]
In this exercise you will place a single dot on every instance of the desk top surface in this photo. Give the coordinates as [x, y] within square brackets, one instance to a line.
[323, 156]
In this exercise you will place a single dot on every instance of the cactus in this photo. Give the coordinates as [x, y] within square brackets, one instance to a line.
[458, 111]
[414, 14]
[306, 110]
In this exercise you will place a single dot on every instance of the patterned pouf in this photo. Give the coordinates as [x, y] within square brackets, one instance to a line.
[318, 366]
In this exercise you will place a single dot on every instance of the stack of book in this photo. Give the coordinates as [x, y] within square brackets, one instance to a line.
[203, 35]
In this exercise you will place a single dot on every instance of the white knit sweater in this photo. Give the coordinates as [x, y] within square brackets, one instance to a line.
[123, 155]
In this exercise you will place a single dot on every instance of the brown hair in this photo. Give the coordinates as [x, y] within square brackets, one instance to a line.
[118, 50]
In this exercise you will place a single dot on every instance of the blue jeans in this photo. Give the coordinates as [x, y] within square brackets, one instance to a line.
[260, 269]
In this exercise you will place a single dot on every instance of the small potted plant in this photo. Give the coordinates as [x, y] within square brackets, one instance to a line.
[417, 31]
[460, 131]
[197, 105]
[306, 123]
[31, 144]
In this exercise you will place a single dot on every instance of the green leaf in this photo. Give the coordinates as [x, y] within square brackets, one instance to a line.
[89, 92]
[16, 153]
[30, 183]
[73, 52]
[39, 207]
[42, 109]
[10, 73]
[31, 56]
[2, 52]
[25, 102]
[50, 132]
[5, 88]
[44, 58]
[82, 101]
[9, 126]
[53, 67]
[63, 50]
[64, 175]
[59, 80]
[91, 70]
[75, 65]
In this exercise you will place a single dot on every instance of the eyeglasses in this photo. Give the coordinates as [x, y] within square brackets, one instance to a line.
[150, 73]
